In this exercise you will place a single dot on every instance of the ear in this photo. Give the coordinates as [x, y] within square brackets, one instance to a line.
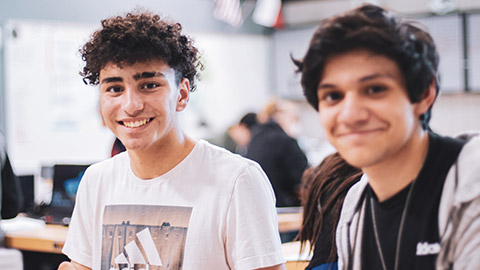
[183, 94]
[100, 113]
[427, 99]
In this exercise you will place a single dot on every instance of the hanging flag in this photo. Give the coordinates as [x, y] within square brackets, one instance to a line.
[442, 6]
[228, 11]
[268, 13]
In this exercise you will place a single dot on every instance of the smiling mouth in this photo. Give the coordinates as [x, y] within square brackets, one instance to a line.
[359, 132]
[135, 124]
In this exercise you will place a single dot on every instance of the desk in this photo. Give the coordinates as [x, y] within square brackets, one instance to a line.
[288, 222]
[289, 219]
[295, 259]
[49, 239]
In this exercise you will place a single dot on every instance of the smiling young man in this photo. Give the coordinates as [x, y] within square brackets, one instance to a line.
[169, 201]
[372, 77]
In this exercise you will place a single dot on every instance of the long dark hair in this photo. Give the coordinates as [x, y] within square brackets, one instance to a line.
[323, 190]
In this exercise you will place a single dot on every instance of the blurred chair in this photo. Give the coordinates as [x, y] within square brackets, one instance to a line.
[10, 259]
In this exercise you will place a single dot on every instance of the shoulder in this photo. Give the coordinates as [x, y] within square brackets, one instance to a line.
[460, 206]
[225, 162]
[218, 157]
[227, 169]
[352, 200]
[463, 179]
[268, 130]
[107, 166]
[354, 194]
[467, 171]
[350, 217]
[471, 150]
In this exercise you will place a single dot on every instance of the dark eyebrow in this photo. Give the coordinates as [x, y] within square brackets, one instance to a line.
[375, 76]
[144, 75]
[325, 86]
[112, 79]
[363, 79]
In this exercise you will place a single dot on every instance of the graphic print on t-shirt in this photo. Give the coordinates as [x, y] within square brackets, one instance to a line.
[144, 237]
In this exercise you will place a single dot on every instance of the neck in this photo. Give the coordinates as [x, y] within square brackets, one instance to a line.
[393, 174]
[161, 157]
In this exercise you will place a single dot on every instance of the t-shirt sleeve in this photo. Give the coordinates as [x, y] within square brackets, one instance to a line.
[253, 239]
[79, 244]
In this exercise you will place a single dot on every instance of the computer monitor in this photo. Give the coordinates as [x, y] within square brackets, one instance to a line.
[66, 178]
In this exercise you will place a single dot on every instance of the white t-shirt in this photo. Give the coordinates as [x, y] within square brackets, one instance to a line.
[214, 210]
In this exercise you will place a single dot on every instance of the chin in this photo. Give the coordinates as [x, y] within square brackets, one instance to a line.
[355, 163]
[358, 160]
[133, 145]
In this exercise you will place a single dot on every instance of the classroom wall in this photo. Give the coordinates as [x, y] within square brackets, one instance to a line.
[195, 16]
[315, 11]
[456, 114]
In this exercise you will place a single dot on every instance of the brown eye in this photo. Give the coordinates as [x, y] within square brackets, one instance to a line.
[150, 85]
[376, 89]
[114, 89]
[332, 96]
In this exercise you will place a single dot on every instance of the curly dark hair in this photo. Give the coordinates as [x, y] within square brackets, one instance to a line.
[139, 38]
[381, 32]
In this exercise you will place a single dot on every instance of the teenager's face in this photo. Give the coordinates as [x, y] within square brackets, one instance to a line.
[139, 102]
[364, 108]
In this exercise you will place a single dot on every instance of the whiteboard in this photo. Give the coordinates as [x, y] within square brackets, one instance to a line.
[51, 115]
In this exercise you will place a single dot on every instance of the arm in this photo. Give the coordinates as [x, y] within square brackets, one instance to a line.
[252, 208]
[275, 267]
[460, 211]
[72, 266]
[79, 245]
[466, 238]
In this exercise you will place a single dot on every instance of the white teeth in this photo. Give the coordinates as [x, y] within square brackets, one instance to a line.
[135, 124]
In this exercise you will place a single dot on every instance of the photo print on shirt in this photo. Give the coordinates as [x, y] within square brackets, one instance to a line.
[144, 236]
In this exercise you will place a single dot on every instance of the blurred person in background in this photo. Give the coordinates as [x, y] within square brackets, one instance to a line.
[11, 196]
[241, 132]
[277, 152]
[11, 202]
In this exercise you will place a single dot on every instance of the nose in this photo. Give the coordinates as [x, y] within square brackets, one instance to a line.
[354, 110]
[132, 102]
